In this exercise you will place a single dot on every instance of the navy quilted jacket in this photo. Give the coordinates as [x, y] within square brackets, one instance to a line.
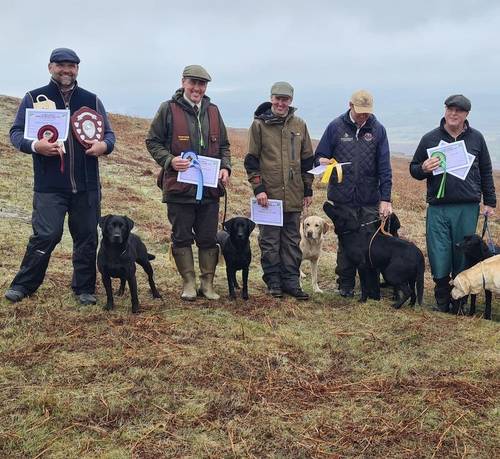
[368, 179]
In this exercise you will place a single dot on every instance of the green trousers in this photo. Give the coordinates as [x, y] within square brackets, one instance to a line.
[446, 226]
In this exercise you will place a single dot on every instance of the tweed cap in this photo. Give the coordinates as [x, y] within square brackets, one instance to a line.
[459, 101]
[282, 88]
[362, 101]
[196, 72]
[64, 55]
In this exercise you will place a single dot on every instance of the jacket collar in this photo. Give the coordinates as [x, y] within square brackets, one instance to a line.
[265, 114]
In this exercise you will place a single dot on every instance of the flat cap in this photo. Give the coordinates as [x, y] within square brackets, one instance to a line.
[362, 101]
[282, 88]
[459, 101]
[64, 55]
[197, 72]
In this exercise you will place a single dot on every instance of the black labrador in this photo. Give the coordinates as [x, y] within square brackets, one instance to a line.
[401, 262]
[476, 250]
[235, 246]
[118, 253]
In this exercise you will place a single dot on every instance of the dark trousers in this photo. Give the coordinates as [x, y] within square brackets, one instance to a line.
[280, 254]
[49, 212]
[345, 270]
[193, 222]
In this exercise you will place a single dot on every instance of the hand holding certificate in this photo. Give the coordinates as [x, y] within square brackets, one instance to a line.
[209, 169]
[271, 215]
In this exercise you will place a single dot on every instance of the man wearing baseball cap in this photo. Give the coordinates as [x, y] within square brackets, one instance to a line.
[279, 156]
[190, 122]
[357, 138]
[454, 213]
[66, 181]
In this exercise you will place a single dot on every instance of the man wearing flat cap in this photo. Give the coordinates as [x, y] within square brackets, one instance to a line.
[364, 187]
[453, 214]
[66, 181]
[279, 156]
[189, 122]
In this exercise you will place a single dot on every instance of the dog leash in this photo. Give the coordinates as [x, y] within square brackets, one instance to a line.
[225, 204]
[380, 229]
[489, 239]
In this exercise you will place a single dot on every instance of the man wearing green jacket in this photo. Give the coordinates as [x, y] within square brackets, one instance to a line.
[279, 156]
[189, 122]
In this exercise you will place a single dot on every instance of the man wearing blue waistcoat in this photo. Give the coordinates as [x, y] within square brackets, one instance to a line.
[357, 138]
[66, 181]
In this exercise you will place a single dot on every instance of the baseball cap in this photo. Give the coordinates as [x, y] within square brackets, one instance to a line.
[282, 88]
[362, 101]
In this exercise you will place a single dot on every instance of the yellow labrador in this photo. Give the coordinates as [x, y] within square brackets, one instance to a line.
[311, 239]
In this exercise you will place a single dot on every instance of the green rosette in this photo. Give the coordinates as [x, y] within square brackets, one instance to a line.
[442, 163]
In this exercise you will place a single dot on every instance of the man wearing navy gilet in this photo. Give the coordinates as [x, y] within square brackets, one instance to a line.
[66, 181]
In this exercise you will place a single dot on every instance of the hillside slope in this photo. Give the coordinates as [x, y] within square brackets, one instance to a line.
[262, 378]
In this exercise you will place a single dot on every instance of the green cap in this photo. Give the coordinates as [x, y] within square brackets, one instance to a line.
[197, 72]
[282, 88]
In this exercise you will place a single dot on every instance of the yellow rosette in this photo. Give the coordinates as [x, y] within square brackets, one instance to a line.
[333, 163]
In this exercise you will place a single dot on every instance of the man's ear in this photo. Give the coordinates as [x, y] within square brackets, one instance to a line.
[102, 222]
[130, 223]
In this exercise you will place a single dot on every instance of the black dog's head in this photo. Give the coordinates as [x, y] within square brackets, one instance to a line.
[344, 221]
[239, 229]
[116, 228]
[474, 248]
[392, 225]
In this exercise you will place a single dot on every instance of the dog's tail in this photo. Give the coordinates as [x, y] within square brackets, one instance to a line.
[151, 257]
[420, 281]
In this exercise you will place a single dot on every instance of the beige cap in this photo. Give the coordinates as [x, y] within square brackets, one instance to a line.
[282, 88]
[197, 72]
[362, 101]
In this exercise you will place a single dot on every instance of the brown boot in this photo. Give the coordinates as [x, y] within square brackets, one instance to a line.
[185, 265]
[208, 261]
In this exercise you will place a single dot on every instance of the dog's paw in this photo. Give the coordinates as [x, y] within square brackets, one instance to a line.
[302, 275]
[136, 309]
[232, 295]
[244, 295]
[108, 306]
[157, 295]
[316, 289]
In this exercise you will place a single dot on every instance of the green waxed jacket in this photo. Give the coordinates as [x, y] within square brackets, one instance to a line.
[159, 138]
[279, 155]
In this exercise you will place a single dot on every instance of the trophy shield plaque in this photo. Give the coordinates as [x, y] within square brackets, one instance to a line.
[87, 125]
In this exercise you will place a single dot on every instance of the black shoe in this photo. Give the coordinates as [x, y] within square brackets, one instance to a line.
[14, 295]
[445, 308]
[275, 291]
[346, 293]
[297, 293]
[86, 298]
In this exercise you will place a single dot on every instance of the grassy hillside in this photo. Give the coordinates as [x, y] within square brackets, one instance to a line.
[262, 378]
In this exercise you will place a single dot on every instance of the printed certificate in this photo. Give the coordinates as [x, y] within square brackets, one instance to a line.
[210, 169]
[271, 215]
[456, 156]
[36, 118]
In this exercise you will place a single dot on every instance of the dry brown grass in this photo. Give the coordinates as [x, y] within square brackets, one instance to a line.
[263, 378]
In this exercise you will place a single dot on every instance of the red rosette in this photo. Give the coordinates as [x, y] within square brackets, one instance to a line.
[48, 132]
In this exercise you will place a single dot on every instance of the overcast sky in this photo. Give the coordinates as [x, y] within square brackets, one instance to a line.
[410, 55]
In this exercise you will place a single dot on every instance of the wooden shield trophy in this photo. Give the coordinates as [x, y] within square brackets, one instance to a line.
[87, 125]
